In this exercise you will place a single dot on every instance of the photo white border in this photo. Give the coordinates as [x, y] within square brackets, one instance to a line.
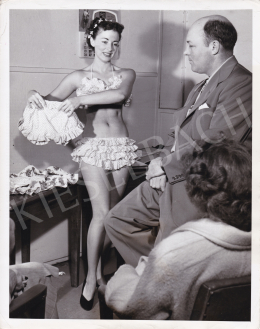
[5, 322]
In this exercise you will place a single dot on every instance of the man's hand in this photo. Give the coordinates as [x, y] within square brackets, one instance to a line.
[158, 183]
[155, 168]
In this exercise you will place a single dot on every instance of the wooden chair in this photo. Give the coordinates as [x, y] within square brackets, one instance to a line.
[217, 300]
[224, 300]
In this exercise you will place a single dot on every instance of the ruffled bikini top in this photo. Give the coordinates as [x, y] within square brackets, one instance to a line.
[92, 85]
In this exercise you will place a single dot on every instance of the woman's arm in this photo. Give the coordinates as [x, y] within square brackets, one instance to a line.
[113, 96]
[66, 87]
[140, 293]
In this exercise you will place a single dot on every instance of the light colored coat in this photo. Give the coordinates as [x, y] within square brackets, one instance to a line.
[165, 286]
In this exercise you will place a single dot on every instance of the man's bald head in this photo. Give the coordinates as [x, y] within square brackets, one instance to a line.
[210, 42]
[205, 19]
[217, 27]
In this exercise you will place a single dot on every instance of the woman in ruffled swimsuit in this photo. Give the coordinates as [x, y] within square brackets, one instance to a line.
[106, 151]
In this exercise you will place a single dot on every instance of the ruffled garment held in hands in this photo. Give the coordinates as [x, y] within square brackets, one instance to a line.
[32, 180]
[44, 125]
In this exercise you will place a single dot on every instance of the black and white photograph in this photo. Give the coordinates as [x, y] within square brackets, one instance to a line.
[129, 179]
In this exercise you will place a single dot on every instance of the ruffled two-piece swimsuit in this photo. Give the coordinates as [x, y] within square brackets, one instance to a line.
[41, 126]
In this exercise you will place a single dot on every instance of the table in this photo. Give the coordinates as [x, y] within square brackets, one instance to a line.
[74, 200]
[25, 208]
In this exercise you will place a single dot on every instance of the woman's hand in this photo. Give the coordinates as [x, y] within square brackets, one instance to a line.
[70, 105]
[34, 98]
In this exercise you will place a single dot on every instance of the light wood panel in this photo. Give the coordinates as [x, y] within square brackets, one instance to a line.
[172, 59]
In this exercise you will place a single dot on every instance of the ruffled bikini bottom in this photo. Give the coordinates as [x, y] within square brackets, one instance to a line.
[107, 153]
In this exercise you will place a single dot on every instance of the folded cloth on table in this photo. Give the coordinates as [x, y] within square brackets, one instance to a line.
[40, 126]
[32, 180]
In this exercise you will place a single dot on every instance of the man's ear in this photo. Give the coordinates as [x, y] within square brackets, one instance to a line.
[215, 47]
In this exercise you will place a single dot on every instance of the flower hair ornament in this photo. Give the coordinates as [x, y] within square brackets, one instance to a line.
[91, 31]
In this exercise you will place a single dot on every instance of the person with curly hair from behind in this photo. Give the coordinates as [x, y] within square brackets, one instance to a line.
[217, 246]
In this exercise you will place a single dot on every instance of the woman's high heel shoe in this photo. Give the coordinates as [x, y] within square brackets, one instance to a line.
[84, 303]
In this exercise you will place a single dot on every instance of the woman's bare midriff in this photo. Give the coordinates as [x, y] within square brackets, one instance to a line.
[105, 122]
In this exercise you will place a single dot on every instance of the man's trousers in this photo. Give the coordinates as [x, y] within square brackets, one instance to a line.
[130, 223]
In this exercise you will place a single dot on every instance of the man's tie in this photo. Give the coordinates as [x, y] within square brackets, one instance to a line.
[202, 88]
[190, 109]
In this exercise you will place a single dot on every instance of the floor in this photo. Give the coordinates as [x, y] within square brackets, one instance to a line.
[68, 297]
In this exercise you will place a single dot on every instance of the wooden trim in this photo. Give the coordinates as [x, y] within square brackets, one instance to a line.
[60, 260]
[147, 74]
[157, 129]
[160, 110]
[24, 69]
[185, 19]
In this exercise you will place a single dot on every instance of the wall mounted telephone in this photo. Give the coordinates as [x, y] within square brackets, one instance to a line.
[85, 17]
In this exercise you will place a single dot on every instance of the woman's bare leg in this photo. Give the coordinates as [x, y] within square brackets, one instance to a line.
[118, 180]
[97, 185]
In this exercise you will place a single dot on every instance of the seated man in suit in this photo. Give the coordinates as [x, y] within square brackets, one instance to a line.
[221, 103]
[217, 246]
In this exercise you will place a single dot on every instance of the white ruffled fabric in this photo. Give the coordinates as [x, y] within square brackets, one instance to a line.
[42, 126]
[96, 85]
[107, 153]
[32, 180]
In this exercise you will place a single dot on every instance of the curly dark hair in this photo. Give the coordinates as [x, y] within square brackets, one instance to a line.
[103, 25]
[222, 31]
[219, 182]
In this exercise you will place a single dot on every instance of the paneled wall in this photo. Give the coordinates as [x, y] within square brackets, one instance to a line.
[43, 49]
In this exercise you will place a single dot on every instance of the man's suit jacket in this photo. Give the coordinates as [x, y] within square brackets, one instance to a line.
[225, 105]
